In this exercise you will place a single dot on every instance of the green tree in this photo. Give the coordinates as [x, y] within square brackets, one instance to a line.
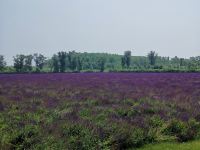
[62, 60]
[181, 61]
[126, 59]
[176, 62]
[28, 63]
[127, 55]
[111, 63]
[79, 63]
[101, 63]
[123, 63]
[198, 61]
[72, 62]
[152, 56]
[19, 62]
[55, 63]
[2, 63]
[39, 61]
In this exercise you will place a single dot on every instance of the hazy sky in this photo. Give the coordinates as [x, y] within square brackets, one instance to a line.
[170, 27]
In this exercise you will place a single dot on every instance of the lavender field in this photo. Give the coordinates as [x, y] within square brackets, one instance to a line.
[97, 110]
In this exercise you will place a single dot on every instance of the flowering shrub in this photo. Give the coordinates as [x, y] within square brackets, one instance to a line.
[97, 110]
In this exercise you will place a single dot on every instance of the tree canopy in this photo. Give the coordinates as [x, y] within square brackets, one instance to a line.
[72, 61]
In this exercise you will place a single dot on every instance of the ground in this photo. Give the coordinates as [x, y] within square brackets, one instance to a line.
[99, 110]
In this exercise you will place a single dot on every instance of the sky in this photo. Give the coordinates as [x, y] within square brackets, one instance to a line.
[169, 27]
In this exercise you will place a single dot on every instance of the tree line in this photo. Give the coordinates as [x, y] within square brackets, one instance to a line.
[82, 62]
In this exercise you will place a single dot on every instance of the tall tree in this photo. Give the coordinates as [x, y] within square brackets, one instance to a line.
[111, 62]
[126, 59]
[101, 63]
[198, 60]
[123, 62]
[181, 61]
[2, 62]
[127, 55]
[19, 63]
[39, 61]
[55, 63]
[72, 62]
[79, 63]
[62, 60]
[28, 63]
[152, 58]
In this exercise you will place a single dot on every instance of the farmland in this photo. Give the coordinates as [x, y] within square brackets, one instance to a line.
[98, 110]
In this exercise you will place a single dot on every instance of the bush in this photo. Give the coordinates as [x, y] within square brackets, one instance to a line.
[122, 112]
[183, 131]
[151, 135]
[192, 129]
[137, 137]
[25, 138]
[153, 131]
[126, 137]
[79, 137]
[127, 112]
[156, 121]
[174, 127]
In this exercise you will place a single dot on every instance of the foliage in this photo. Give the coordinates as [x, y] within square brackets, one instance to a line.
[101, 64]
[192, 145]
[126, 137]
[62, 61]
[152, 58]
[126, 59]
[2, 62]
[72, 63]
[55, 63]
[183, 131]
[39, 61]
[79, 63]
[93, 62]
[97, 110]
[28, 63]
[19, 63]
[79, 137]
